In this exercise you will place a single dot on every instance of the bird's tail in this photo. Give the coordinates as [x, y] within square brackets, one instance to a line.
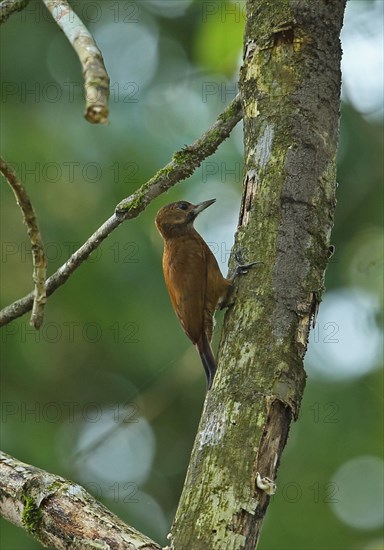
[209, 363]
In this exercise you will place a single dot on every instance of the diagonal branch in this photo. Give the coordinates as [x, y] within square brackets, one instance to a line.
[182, 165]
[96, 79]
[38, 254]
[7, 7]
[61, 514]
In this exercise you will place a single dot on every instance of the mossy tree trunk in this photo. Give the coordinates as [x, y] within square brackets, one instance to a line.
[290, 86]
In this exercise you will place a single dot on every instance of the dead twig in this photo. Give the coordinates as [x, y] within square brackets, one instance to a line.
[38, 254]
[96, 79]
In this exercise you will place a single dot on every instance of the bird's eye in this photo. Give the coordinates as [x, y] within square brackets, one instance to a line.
[183, 205]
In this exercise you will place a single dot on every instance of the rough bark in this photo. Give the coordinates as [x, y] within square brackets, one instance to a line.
[290, 86]
[61, 514]
[7, 7]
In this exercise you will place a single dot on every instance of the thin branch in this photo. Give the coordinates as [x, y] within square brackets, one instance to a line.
[59, 513]
[182, 166]
[7, 7]
[23, 305]
[184, 162]
[38, 254]
[96, 79]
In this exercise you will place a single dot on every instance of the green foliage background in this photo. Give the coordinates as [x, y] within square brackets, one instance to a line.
[109, 393]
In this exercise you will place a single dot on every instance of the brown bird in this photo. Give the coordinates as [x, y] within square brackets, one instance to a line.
[192, 276]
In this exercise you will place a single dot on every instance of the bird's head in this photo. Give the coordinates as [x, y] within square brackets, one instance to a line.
[177, 218]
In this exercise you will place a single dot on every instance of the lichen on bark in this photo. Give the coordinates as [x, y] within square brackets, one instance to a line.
[290, 89]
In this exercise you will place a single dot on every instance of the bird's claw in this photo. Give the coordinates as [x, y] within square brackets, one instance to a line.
[239, 257]
[241, 267]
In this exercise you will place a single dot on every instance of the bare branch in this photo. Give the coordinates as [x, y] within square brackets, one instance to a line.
[38, 254]
[183, 164]
[96, 79]
[7, 7]
[59, 513]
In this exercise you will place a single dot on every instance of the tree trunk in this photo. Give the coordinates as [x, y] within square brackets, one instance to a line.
[290, 86]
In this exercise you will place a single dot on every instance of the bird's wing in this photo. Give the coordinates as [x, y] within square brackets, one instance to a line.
[185, 266]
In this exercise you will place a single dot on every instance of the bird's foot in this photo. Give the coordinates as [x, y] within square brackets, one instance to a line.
[241, 267]
[228, 301]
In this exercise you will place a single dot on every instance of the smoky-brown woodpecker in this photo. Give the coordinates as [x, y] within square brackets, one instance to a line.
[192, 276]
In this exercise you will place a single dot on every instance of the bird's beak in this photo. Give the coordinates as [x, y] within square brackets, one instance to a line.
[202, 206]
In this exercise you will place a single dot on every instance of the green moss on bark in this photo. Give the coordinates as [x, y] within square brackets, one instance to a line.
[290, 84]
[32, 515]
